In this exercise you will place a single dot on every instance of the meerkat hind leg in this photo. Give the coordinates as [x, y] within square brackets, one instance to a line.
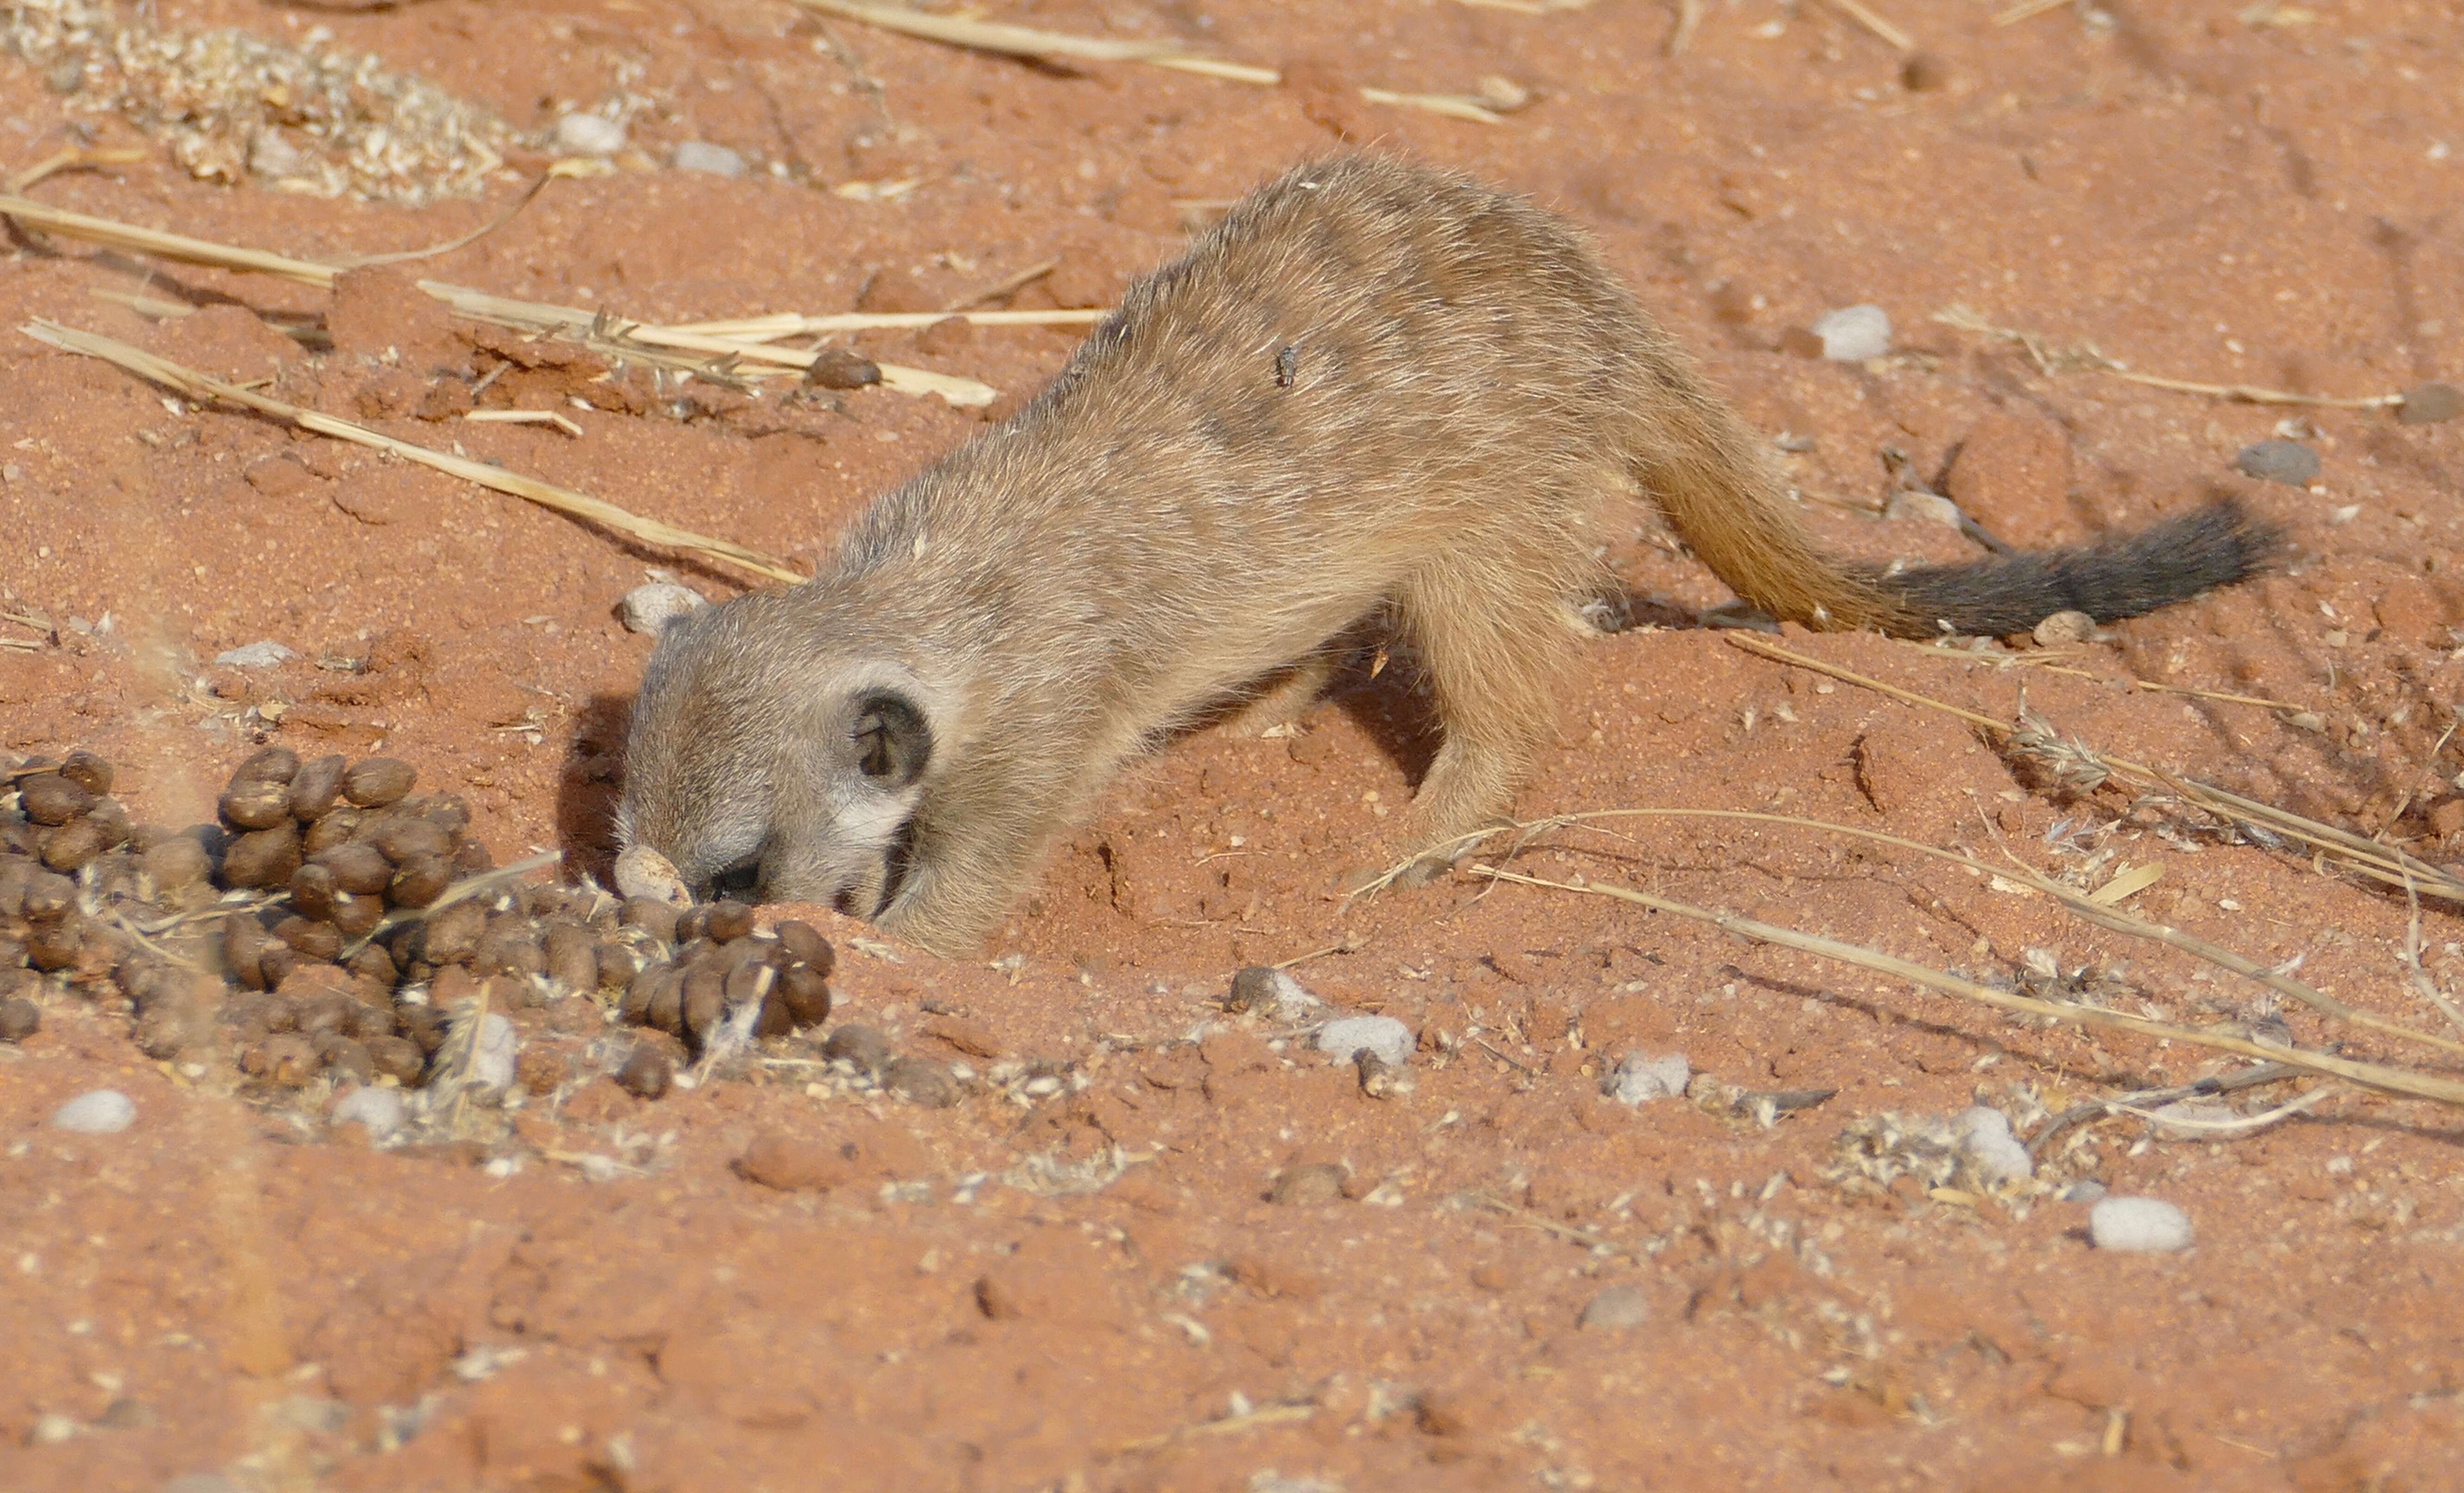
[1287, 696]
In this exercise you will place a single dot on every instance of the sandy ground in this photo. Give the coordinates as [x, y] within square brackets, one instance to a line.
[1200, 1257]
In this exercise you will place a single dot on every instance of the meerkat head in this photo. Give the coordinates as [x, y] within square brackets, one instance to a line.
[776, 758]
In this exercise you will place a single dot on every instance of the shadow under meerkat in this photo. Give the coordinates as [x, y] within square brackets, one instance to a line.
[1370, 387]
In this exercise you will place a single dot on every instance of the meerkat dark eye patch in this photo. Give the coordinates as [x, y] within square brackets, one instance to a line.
[892, 743]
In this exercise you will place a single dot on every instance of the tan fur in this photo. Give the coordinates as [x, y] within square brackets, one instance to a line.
[1371, 385]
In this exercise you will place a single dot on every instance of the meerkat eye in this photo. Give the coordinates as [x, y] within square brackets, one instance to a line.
[892, 743]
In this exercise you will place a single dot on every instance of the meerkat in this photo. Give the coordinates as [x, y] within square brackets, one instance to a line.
[1371, 389]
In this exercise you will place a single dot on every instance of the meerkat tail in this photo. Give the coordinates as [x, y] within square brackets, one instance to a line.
[2122, 576]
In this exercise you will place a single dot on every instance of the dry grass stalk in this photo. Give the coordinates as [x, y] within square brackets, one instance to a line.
[1007, 284]
[177, 247]
[1863, 15]
[69, 158]
[784, 324]
[2030, 9]
[203, 388]
[2083, 769]
[1533, 6]
[2050, 661]
[522, 417]
[2054, 361]
[1027, 42]
[2370, 1075]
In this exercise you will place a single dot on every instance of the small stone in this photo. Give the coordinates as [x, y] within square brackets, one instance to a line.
[861, 1047]
[649, 608]
[2447, 818]
[1854, 334]
[1307, 1186]
[52, 1427]
[838, 368]
[1270, 993]
[1501, 93]
[266, 654]
[2063, 628]
[2086, 1191]
[2429, 403]
[1924, 507]
[2139, 1224]
[1640, 1077]
[1992, 1152]
[492, 1054]
[1383, 1035]
[701, 155]
[794, 1164]
[1380, 1079]
[100, 1111]
[1615, 1309]
[2289, 462]
[925, 1085]
[379, 1111]
[19, 1019]
[584, 134]
[1924, 73]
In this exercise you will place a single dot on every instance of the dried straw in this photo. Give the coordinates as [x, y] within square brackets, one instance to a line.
[787, 323]
[1027, 42]
[203, 387]
[2049, 359]
[1863, 15]
[2372, 1075]
[2082, 767]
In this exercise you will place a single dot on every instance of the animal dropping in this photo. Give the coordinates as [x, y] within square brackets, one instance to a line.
[1188, 516]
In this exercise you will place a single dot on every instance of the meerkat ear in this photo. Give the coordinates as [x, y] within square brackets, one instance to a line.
[892, 739]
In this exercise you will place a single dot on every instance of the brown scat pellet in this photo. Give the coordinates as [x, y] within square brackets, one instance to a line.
[16, 981]
[111, 817]
[421, 881]
[49, 799]
[748, 980]
[361, 869]
[249, 804]
[272, 764]
[176, 862]
[704, 998]
[48, 894]
[804, 993]
[617, 964]
[14, 873]
[378, 781]
[646, 1074]
[356, 916]
[396, 1058]
[19, 1019]
[278, 961]
[864, 1047]
[330, 831]
[312, 891]
[921, 1083]
[653, 916]
[262, 858]
[68, 849]
[317, 788]
[572, 957]
[1306, 1186]
[244, 944]
[423, 1025]
[634, 1008]
[667, 1008]
[727, 921]
[804, 943]
[538, 1069]
[57, 944]
[285, 1059]
[452, 935]
[471, 858]
[376, 966]
[313, 938]
[87, 771]
[511, 950]
[368, 1022]
[692, 923]
[840, 368]
[403, 838]
[342, 1056]
[449, 812]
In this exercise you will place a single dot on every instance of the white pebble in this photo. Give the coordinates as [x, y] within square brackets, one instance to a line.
[1383, 1035]
[589, 135]
[377, 1110]
[492, 1056]
[1616, 1309]
[102, 1112]
[644, 872]
[2064, 627]
[1927, 507]
[1640, 1077]
[255, 655]
[701, 155]
[649, 608]
[2139, 1223]
[1995, 1154]
[1854, 334]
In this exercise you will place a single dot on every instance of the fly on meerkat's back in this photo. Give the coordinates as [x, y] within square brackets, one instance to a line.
[1372, 387]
